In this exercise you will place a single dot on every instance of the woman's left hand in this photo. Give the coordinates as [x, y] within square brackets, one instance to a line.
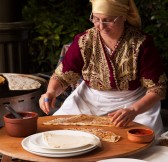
[122, 117]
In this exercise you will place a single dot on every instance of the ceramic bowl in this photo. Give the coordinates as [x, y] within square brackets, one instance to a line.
[140, 135]
[21, 127]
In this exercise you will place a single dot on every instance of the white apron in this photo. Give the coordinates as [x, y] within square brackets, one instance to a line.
[85, 100]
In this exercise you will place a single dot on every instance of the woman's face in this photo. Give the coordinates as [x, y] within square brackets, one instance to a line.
[107, 25]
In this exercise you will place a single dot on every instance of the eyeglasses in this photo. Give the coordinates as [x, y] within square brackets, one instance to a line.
[96, 20]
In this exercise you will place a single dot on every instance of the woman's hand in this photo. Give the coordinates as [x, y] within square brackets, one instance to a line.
[47, 101]
[122, 117]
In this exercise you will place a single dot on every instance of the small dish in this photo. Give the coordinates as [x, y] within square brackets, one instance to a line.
[23, 127]
[140, 135]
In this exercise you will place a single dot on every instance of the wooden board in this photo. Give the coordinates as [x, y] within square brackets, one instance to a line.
[11, 146]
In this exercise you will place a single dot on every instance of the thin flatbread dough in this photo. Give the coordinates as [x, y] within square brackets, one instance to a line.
[81, 120]
[104, 135]
[67, 141]
[21, 82]
[88, 120]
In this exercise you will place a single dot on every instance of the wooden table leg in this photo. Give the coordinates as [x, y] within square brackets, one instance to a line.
[6, 158]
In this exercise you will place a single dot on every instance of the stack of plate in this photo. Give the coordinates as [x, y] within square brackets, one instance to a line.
[61, 143]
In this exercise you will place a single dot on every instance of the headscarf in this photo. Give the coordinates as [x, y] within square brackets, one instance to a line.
[125, 8]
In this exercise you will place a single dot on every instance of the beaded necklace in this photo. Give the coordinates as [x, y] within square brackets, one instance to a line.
[108, 50]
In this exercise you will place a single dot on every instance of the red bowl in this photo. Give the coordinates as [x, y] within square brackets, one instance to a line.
[140, 135]
[21, 127]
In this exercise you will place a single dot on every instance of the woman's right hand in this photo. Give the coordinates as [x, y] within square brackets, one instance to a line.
[47, 101]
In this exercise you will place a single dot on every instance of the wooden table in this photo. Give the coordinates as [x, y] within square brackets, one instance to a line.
[11, 146]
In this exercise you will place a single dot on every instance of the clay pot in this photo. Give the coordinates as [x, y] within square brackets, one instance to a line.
[21, 127]
[140, 135]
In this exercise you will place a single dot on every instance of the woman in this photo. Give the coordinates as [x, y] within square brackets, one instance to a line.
[120, 67]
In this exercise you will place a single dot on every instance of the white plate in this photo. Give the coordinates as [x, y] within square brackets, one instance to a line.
[165, 135]
[60, 155]
[26, 144]
[38, 141]
[122, 160]
[52, 153]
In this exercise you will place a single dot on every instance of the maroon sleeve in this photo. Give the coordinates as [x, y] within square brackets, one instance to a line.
[73, 60]
[150, 63]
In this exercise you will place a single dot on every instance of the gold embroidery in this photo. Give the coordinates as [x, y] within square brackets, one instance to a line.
[158, 88]
[95, 68]
[159, 91]
[163, 79]
[67, 78]
[71, 77]
[124, 63]
[148, 83]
